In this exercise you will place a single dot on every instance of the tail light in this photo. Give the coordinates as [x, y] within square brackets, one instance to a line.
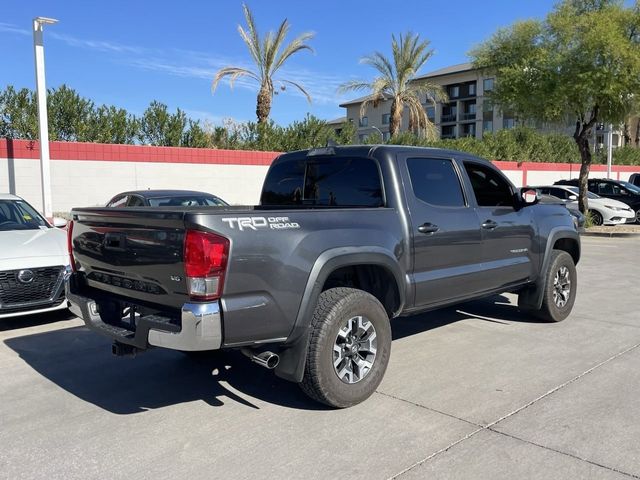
[205, 262]
[72, 261]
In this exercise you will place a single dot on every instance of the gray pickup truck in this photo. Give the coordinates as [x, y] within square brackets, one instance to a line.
[344, 239]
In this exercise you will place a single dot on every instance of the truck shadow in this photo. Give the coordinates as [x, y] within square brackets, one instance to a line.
[80, 362]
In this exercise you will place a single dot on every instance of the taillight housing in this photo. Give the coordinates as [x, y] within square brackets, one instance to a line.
[72, 260]
[205, 263]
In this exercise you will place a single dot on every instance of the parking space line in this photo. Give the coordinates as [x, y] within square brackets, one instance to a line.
[518, 410]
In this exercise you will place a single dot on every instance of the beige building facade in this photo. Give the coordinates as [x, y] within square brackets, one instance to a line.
[469, 112]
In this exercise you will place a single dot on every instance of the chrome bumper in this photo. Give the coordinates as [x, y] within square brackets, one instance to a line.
[201, 326]
[201, 329]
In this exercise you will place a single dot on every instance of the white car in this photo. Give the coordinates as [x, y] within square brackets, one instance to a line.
[604, 211]
[33, 260]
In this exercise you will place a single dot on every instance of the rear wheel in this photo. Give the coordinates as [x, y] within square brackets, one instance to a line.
[638, 215]
[349, 348]
[560, 287]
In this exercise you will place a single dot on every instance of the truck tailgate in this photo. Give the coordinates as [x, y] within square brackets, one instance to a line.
[111, 245]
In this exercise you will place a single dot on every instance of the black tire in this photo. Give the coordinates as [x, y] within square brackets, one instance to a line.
[638, 215]
[551, 311]
[596, 217]
[334, 310]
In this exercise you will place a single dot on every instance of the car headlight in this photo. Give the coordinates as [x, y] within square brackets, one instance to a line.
[615, 209]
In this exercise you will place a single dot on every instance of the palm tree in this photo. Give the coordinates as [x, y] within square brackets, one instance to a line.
[269, 55]
[397, 81]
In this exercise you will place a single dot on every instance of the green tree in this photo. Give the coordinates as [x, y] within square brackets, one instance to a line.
[196, 136]
[397, 80]
[582, 63]
[69, 115]
[109, 124]
[160, 128]
[269, 55]
[18, 114]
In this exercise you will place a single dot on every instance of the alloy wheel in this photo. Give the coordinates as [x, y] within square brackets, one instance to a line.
[561, 287]
[354, 349]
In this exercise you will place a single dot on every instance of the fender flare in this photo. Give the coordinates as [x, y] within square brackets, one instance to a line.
[294, 352]
[532, 297]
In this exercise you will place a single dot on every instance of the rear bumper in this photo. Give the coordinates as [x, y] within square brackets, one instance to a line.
[201, 326]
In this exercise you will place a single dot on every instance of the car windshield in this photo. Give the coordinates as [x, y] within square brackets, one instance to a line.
[631, 186]
[19, 215]
[576, 190]
[187, 201]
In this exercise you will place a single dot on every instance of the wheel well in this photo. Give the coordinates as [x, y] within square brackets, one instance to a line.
[374, 279]
[570, 246]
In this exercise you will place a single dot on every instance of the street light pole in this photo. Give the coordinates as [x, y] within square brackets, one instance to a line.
[43, 124]
[379, 131]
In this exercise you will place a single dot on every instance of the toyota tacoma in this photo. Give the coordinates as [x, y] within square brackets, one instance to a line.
[307, 282]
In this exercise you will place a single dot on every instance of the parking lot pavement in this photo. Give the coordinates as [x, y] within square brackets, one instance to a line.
[476, 391]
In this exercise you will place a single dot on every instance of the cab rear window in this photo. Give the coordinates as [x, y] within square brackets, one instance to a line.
[325, 182]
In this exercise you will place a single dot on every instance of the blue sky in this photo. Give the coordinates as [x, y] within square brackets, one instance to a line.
[128, 53]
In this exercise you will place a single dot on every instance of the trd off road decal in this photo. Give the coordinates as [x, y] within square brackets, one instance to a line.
[257, 223]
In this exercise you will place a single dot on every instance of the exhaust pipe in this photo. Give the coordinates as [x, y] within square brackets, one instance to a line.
[267, 359]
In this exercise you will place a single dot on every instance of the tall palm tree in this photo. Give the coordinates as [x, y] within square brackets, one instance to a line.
[397, 81]
[269, 55]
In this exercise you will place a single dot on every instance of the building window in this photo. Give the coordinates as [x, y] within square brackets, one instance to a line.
[449, 131]
[487, 125]
[363, 137]
[487, 84]
[508, 122]
[469, 130]
[364, 122]
[385, 118]
[449, 113]
[472, 89]
[454, 91]
[431, 113]
[386, 136]
[487, 105]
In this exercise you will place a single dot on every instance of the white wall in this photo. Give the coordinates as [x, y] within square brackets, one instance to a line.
[78, 183]
[81, 183]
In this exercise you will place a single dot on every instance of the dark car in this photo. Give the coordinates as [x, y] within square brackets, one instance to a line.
[634, 179]
[624, 192]
[165, 198]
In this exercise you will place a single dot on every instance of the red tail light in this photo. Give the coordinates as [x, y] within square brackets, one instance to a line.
[205, 262]
[72, 261]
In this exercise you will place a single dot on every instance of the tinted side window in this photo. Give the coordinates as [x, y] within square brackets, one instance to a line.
[119, 201]
[335, 182]
[435, 181]
[135, 201]
[490, 189]
[559, 193]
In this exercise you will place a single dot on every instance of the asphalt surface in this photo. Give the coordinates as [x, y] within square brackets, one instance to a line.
[478, 391]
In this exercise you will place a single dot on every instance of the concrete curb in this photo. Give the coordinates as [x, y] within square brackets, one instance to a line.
[610, 234]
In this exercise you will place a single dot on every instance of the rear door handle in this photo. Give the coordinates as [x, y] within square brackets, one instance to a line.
[428, 228]
[489, 225]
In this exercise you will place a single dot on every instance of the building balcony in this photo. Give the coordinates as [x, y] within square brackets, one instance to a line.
[448, 117]
[468, 116]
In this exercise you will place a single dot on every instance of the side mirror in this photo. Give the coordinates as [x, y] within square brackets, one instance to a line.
[529, 196]
[59, 222]
[573, 197]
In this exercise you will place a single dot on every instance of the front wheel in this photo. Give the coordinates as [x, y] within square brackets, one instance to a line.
[596, 217]
[349, 348]
[560, 287]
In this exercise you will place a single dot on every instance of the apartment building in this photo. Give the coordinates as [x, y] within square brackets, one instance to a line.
[469, 111]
